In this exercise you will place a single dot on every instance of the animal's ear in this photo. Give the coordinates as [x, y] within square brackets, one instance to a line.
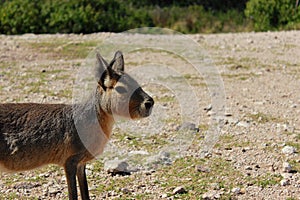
[101, 66]
[117, 63]
[103, 72]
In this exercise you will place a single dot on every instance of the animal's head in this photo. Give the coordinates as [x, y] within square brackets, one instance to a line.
[119, 93]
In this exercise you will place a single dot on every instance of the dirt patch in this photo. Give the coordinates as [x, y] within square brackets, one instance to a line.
[261, 74]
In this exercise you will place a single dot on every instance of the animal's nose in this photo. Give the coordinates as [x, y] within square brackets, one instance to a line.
[149, 103]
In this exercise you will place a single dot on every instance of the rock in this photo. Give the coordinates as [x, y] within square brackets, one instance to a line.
[162, 158]
[284, 182]
[286, 167]
[116, 167]
[188, 126]
[164, 195]
[228, 114]
[179, 190]
[208, 108]
[243, 191]
[138, 153]
[200, 168]
[243, 124]
[286, 175]
[213, 194]
[288, 150]
[125, 191]
[215, 186]
[231, 121]
[236, 190]
[53, 191]
[248, 168]
[210, 113]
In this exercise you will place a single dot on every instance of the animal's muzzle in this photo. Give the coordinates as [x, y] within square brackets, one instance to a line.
[147, 106]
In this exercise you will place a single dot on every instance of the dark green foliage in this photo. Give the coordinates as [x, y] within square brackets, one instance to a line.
[217, 5]
[195, 19]
[273, 14]
[19, 15]
[188, 16]
[64, 16]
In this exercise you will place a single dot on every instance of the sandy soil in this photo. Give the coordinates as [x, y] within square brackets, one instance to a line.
[261, 75]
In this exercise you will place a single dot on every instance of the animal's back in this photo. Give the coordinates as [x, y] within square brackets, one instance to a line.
[32, 135]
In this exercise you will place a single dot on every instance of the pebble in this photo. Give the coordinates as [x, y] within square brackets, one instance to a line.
[286, 175]
[188, 126]
[215, 186]
[286, 167]
[116, 166]
[236, 190]
[125, 190]
[288, 150]
[179, 190]
[213, 194]
[284, 182]
[200, 168]
[138, 153]
[248, 168]
[53, 191]
[164, 195]
[243, 124]
[243, 191]
[208, 108]
[211, 113]
[232, 121]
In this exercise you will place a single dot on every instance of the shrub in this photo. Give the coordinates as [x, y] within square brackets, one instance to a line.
[64, 16]
[20, 16]
[272, 14]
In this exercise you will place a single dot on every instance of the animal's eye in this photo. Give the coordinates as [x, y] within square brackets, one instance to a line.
[121, 89]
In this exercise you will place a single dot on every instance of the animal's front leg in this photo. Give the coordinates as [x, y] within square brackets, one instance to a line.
[71, 170]
[81, 175]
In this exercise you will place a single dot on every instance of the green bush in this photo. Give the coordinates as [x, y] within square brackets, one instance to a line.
[20, 16]
[188, 16]
[195, 19]
[64, 16]
[272, 14]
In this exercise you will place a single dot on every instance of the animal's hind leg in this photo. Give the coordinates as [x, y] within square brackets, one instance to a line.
[71, 170]
[81, 175]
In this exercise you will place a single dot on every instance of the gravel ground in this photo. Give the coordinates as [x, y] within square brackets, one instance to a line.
[256, 157]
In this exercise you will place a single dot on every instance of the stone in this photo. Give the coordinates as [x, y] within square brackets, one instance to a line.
[138, 153]
[243, 124]
[288, 150]
[116, 166]
[215, 186]
[208, 108]
[286, 175]
[286, 167]
[53, 191]
[125, 191]
[164, 196]
[284, 182]
[211, 113]
[188, 126]
[236, 190]
[200, 168]
[213, 194]
[179, 190]
[243, 191]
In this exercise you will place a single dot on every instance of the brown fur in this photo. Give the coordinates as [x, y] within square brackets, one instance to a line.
[33, 135]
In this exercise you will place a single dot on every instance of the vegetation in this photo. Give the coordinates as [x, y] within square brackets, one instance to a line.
[87, 16]
[273, 14]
